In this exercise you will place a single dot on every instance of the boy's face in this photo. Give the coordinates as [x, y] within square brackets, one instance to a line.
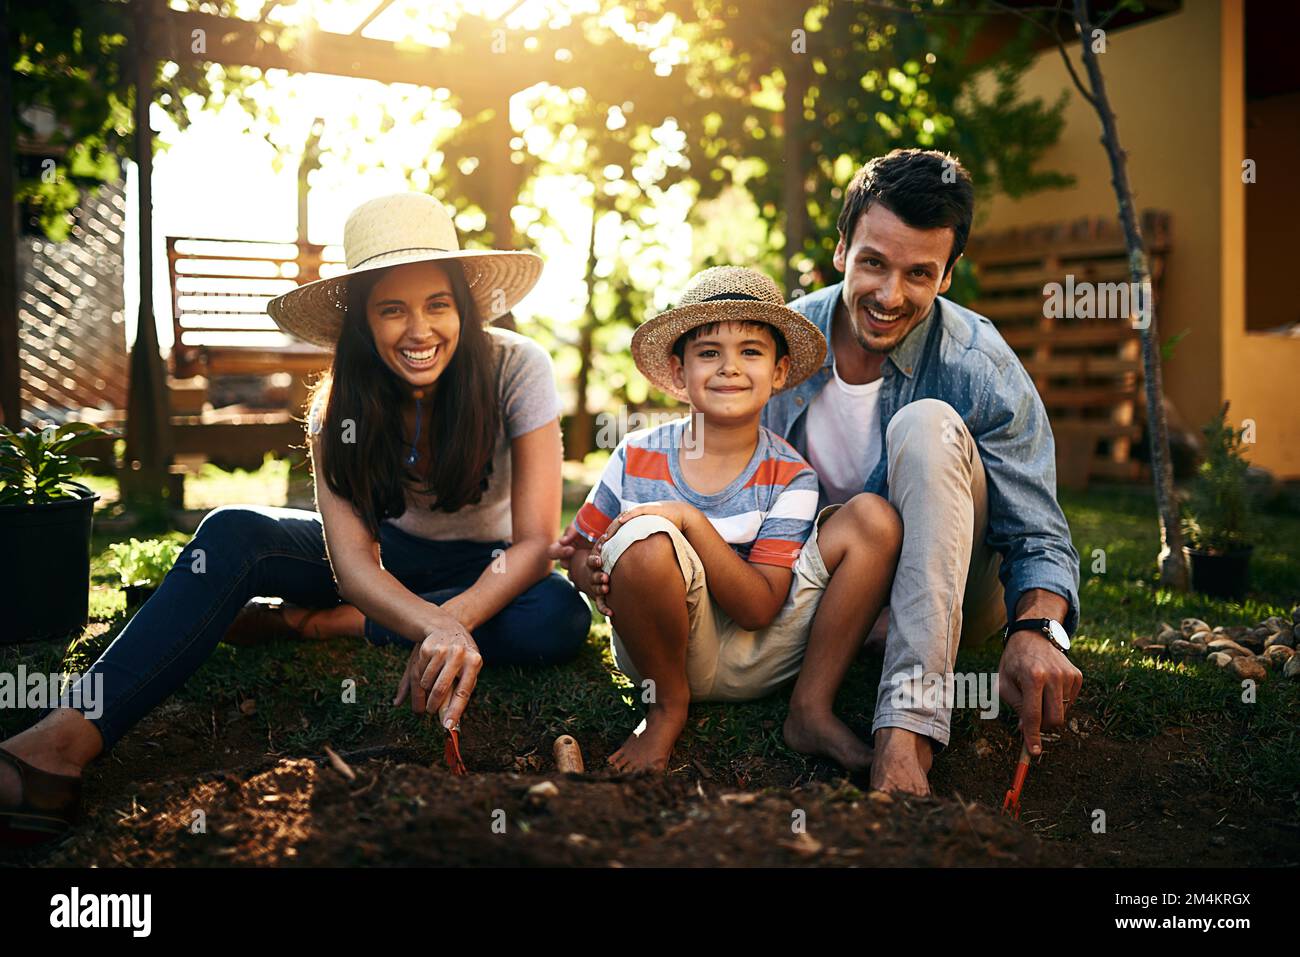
[892, 274]
[730, 370]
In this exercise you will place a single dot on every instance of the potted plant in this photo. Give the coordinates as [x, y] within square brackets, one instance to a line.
[45, 520]
[1217, 520]
[142, 564]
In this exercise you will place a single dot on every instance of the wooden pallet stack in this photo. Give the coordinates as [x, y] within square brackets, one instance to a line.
[1086, 362]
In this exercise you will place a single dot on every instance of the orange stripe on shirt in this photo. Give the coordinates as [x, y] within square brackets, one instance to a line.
[775, 551]
[592, 521]
[646, 464]
[775, 472]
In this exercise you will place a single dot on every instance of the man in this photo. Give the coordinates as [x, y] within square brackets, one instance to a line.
[921, 401]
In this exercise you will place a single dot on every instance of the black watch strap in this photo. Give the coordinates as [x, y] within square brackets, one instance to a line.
[1040, 625]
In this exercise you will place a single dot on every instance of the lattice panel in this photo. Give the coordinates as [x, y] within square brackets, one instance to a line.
[71, 330]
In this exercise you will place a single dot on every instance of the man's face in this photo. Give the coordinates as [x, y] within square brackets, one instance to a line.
[730, 370]
[892, 274]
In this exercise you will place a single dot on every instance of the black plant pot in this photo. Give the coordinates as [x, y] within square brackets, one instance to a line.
[137, 595]
[1220, 574]
[45, 568]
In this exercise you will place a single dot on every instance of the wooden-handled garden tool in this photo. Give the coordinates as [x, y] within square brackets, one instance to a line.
[1011, 803]
[568, 756]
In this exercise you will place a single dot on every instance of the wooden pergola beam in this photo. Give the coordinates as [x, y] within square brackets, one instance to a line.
[482, 82]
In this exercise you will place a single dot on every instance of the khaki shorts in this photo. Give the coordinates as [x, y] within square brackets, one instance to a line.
[724, 662]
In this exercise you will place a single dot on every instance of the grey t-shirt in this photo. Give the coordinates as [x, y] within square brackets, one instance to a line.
[529, 400]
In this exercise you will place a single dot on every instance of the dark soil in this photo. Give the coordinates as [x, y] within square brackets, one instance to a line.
[262, 807]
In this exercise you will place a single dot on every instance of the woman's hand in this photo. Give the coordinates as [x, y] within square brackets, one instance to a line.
[681, 514]
[442, 672]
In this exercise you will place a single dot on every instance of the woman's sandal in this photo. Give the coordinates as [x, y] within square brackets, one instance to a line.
[47, 805]
[259, 622]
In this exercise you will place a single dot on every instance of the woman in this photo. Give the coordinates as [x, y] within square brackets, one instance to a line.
[436, 454]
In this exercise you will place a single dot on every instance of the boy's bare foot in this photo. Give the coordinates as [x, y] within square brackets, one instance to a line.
[649, 747]
[902, 762]
[828, 736]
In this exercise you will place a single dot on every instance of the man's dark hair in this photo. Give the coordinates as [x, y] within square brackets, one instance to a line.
[679, 347]
[912, 185]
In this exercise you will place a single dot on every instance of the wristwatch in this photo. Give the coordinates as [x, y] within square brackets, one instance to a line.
[1048, 627]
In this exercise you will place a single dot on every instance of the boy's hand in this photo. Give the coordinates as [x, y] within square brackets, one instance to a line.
[571, 550]
[681, 514]
[598, 581]
[562, 549]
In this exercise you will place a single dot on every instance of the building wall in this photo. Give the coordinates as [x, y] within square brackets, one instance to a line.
[1163, 81]
[1259, 368]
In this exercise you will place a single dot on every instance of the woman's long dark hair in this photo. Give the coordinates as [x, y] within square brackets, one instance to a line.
[370, 470]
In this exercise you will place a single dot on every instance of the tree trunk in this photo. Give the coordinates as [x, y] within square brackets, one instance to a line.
[795, 155]
[144, 477]
[582, 426]
[1173, 568]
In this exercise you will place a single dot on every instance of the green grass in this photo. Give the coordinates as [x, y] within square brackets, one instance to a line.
[1248, 749]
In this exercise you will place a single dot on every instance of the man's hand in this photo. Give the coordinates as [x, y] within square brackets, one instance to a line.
[1036, 679]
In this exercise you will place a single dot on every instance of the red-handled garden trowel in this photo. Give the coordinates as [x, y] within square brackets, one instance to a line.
[1011, 803]
[451, 752]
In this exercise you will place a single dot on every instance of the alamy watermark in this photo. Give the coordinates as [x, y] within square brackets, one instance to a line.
[613, 427]
[933, 691]
[1098, 300]
[39, 690]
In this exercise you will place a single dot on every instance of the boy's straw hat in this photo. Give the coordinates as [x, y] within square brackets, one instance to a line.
[391, 231]
[722, 294]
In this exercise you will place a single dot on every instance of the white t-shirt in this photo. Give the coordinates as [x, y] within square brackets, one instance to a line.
[843, 436]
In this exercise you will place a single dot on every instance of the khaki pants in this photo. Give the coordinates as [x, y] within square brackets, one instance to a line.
[946, 589]
[724, 662]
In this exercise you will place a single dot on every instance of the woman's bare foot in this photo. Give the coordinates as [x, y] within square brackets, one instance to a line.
[902, 762]
[828, 736]
[649, 747]
[342, 621]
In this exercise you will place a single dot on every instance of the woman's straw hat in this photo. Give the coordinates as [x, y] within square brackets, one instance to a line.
[723, 294]
[393, 230]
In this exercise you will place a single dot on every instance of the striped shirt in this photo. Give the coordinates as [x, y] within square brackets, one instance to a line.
[765, 514]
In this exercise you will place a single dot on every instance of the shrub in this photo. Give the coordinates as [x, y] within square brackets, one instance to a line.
[1218, 515]
[37, 467]
[145, 562]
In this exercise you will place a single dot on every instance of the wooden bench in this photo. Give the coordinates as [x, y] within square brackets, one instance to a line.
[220, 288]
[1087, 370]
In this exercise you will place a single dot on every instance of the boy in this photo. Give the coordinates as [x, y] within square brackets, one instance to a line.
[693, 541]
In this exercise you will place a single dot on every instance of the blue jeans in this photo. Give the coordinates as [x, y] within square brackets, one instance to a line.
[243, 552]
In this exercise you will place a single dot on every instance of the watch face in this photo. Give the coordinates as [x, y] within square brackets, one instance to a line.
[1058, 634]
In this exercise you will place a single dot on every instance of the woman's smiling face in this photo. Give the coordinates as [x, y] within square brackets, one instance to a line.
[415, 322]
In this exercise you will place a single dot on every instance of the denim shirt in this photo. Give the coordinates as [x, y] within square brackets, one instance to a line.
[957, 356]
